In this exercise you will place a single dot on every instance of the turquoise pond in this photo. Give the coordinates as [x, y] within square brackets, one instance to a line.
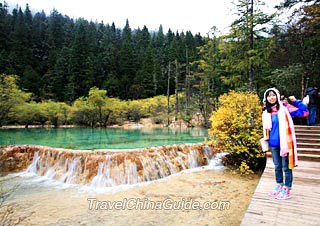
[110, 138]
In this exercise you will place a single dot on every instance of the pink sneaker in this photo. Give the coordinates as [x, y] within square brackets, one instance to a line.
[284, 194]
[275, 191]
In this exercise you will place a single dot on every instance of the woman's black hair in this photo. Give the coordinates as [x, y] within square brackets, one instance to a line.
[268, 105]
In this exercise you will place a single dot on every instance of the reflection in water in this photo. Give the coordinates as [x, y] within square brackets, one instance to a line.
[97, 138]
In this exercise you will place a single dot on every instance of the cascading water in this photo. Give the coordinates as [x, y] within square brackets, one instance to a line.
[192, 159]
[34, 165]
[100, 169]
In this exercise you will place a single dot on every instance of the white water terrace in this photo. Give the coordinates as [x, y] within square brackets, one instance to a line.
[115, 170]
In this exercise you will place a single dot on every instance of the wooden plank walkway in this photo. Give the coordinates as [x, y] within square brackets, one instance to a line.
[302, 209]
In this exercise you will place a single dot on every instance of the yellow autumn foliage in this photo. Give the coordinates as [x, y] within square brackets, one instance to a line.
[236, 128]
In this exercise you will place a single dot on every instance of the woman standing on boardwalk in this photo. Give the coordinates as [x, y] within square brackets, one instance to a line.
[278, 128]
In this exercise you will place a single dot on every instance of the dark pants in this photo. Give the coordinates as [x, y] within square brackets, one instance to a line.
[281, 164]
[312, 118]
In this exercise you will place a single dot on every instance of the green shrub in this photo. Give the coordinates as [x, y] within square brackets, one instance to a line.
[236, 128]
[11, 97]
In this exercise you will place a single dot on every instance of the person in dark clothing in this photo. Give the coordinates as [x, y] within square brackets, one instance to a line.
[313, 104]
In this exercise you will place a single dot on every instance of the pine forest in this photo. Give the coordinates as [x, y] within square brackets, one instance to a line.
[62, 70]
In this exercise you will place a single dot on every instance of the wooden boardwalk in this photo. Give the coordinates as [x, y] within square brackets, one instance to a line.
[302, 209]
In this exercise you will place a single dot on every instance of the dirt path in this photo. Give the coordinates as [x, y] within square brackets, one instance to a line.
[229, 196]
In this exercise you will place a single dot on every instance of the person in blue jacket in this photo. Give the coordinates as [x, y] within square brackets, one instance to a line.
[279, 131]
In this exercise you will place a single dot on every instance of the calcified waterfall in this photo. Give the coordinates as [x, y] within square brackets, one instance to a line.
[104, 168]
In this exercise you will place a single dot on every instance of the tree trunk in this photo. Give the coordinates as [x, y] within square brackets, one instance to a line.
[106, 119]
[251, 74]
[304, 84]
[168, 95]
[188, 91]
[154, 78]
[176, 92]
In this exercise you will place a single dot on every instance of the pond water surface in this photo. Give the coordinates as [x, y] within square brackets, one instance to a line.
[97, 138]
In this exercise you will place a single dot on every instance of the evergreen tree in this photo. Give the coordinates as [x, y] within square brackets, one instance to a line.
[110, 59]
[4, 26]
[142, 41]
[143, 85]
[52, 75]
[56, 36]
[40, 42]
[60, 75]
[61, 59]
[295, 48]
[127, 62]
[79, 80]
[18, 45]
[160, 79]
[4, 37]
[243, 53]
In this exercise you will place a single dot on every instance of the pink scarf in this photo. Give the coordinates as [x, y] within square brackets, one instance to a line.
[288, 143]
